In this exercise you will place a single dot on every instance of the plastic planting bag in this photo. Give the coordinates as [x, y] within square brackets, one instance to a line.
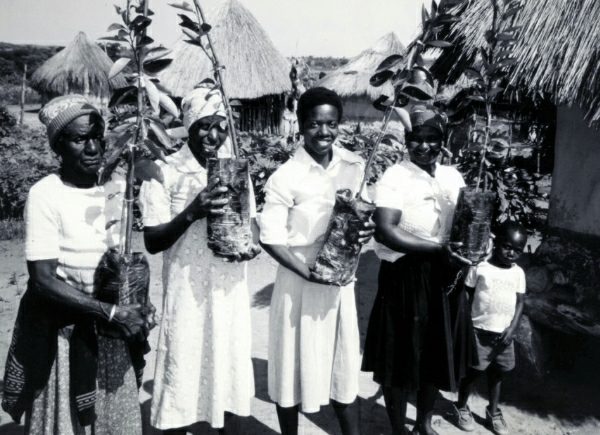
[121, 280]
[230, 232]
[472, 223]
[338, 259]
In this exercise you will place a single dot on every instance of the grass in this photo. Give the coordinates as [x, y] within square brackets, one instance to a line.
[12, 229]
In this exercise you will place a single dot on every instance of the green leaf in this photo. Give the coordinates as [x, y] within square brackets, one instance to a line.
[157, 53]
[161, 133]
[434, 9]
[504, 36]
[446, 19]
[113, 38]
[389, 62]
[147, 170]
[380, 78]
[439, 43]
[476, 98]
[115, 26]
[168, 104]
[512, 11]
[184, 6]
[473, 74]
[145, 41]
[424, 15]
[120, 94]
[188, 23]
[118, 9]
[156, 66]
[502, 143]
[153, 95]
[118, 67]
[378, 103]
[139, 23]
[158, 153]
[494, 91]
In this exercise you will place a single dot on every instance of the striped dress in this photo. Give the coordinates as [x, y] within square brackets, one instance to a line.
[70, 224]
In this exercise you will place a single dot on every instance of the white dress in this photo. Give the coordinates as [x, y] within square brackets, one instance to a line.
[314, 344]
[203, 363]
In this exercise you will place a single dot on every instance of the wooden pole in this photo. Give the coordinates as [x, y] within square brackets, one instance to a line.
[23, 89]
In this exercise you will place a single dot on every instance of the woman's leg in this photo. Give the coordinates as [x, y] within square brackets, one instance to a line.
[494, 383]
[466, 386]
[288, 419]
[426, 399]
[396, 401]
[349, 417]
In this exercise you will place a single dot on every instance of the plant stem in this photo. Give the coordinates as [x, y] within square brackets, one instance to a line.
[386, 120]
[217, 68]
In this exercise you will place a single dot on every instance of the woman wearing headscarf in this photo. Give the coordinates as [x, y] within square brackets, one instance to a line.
[67, 379]
[314, 344]
[203, 364]
[409, 344]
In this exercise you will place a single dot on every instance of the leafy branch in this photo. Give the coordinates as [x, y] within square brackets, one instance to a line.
[142, 127]
[411, 79]
[196, 30]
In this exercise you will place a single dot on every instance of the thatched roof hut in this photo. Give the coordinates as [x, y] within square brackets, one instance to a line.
[255, 71]
[351, 81]
[82, 68]
[557, 50]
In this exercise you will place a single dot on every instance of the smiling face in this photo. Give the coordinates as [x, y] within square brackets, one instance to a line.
[81, 146]
[424, 144]
[320, 129]
[207, 135]
[508, 248]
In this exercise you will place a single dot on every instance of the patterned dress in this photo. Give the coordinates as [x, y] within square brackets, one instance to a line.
[203, 364]
[69, 223]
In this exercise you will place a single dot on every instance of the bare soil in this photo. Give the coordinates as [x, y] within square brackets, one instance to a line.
[566, 401]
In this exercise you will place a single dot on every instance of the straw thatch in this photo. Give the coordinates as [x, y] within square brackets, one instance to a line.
[82, 68]
[557, 51]
[253, 66]
[352, 79]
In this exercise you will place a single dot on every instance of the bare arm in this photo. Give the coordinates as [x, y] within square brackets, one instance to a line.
[161, 237]
[130, 319]
[287, 259]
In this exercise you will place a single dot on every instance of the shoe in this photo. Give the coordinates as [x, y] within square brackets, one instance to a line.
[465, 418]
[496, 422]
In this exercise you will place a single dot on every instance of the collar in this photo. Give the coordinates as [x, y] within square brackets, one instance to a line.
[184, 161]
[338, 154]
[418, 171]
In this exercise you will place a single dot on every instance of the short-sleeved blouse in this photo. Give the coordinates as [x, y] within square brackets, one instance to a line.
[427, 203]
[300, 196]
[76, 226]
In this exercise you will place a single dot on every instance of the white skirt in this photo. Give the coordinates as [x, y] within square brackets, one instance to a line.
[314, 344]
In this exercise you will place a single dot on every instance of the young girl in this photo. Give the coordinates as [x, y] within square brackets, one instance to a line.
[203, 363]
[497, 287]
[314, 353]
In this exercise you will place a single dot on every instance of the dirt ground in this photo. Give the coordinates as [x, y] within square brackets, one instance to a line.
[565, 402]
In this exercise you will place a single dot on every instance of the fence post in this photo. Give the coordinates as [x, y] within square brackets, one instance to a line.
[22, 117]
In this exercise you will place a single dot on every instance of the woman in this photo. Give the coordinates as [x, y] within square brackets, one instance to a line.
[408, 336]
[55, 348]
[314, 346]
[203, 365]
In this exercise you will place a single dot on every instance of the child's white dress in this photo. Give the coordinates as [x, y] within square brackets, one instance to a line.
[314, 343]
[203, 363]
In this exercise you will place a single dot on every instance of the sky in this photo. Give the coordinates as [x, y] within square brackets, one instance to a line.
[340, 28]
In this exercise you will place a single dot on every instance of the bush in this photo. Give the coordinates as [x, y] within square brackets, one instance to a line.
[26, 158]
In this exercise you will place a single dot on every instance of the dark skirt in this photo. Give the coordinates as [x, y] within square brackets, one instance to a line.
[415, 337]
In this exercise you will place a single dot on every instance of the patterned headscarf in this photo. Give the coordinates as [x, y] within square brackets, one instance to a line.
[60, 111]
[426, 114]
[200, 103]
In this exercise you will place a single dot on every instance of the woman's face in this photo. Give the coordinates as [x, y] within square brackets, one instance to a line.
[320, 129]
[424, 144]
[82, 145]
[206, 136]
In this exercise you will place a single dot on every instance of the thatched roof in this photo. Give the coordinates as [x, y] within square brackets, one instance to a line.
[352, 79]
[82, 67]
[558, 51]
[253, 66]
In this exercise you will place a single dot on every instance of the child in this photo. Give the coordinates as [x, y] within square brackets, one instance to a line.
[497, 287]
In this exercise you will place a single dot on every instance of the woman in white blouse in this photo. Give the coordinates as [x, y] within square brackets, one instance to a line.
[314, 346]
[406, 343]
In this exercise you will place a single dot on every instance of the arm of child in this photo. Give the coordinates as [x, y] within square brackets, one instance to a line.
[508, 334]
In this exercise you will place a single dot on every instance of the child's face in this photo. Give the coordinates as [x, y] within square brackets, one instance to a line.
[508, 249]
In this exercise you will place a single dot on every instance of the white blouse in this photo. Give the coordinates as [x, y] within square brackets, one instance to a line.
[76, 226]
[427, 203]
[300, 196]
